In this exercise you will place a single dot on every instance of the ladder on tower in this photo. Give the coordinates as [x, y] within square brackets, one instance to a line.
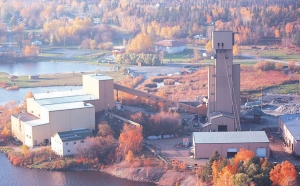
[236, 112]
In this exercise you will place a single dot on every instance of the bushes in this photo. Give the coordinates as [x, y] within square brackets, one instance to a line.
[158, 124]
[265, 66]
[151, 85]
[133, 59]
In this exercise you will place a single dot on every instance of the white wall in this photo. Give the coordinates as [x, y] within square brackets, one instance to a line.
[57, 145]
[66, 148]
[66, 120]
[33, 107]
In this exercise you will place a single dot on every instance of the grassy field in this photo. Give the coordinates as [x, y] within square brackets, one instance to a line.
[275, 53]
[65, 79]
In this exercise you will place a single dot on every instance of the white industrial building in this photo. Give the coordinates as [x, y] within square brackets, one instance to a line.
[169, 46]
[289, 129]
[66, 143]
[52, 112]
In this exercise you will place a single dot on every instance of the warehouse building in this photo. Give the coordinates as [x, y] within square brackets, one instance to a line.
[229, 143]
[289, 129]
[52, 112]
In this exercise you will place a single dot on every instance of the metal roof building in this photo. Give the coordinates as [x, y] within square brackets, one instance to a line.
[289, 129]
[229, 143]
[66, 143]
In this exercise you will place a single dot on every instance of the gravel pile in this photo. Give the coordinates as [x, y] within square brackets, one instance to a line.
[288, 109]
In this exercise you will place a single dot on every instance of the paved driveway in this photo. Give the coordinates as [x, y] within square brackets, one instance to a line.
[169, 150]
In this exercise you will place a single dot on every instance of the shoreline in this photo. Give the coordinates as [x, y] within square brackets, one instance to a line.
[155, 175]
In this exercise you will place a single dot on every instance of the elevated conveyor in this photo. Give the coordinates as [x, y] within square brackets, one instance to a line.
[202, 110]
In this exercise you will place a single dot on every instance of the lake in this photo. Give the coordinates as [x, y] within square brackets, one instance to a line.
[34, 68]
[11, 175]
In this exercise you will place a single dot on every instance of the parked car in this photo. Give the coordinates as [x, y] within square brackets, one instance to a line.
[2, 143]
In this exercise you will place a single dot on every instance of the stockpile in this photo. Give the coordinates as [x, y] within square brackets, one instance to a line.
[288, 109]
[251, 111]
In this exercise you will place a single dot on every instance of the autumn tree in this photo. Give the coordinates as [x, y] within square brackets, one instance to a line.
[24, 149]
[279, 65]
[235, 50]
[5, 132]
[96, 147]
[131, 138]
[142, 43]
[104, 130]
[8, 109]
[242, 155]
[264, 65]
[284, 174]
[277, 33]
[208, 47]
[289, 28]
[85, 44]
[129, 156]
[291, 65]
[31, 51]
[207, 169]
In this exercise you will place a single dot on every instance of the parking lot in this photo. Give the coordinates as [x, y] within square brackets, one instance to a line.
[170, 149]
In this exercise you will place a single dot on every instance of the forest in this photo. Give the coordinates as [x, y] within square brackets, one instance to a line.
[92, 24]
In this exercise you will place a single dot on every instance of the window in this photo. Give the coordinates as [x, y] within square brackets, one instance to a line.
[75, 142]
[66, 143]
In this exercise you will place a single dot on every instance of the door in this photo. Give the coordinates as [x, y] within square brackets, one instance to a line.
[231, 152]
[261, 152]
[222, 128]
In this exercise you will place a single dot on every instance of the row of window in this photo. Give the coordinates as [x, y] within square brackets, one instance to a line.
[82, 141]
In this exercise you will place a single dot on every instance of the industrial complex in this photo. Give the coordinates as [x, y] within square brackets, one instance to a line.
[66, 118]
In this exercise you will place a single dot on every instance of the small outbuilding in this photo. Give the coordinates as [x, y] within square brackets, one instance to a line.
[33, 76]
[65, 143]
[229, 143]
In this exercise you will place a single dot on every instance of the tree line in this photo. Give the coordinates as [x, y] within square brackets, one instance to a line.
[247, 169]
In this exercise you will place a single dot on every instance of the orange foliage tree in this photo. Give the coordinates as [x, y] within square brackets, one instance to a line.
[131, 138]
[129, 156]
[31, 51]
[284, 174]
[243, 155]
[8, 109]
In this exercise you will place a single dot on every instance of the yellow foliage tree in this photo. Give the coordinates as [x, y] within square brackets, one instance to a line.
[235, 50]
[142, 43]
[208, 47]
[24, 149]
[5, 132]
[129, 156]
[277, 33]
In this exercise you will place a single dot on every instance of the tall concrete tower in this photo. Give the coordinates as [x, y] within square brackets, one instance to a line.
[223, 86]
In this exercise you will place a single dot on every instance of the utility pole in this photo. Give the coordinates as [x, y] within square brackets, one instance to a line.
[261, 97]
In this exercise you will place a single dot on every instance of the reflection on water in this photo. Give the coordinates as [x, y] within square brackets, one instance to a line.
[34, 68]
[11, 175]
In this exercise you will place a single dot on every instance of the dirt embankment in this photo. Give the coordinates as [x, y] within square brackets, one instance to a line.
[151, 174]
